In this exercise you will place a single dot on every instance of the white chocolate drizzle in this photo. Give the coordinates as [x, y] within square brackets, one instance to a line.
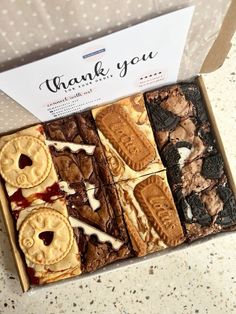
[89, 186]
[90, 230]
[64, 186]
[93, 202]
[75, 148]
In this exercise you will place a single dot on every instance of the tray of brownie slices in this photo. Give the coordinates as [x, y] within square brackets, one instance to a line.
[119, 181]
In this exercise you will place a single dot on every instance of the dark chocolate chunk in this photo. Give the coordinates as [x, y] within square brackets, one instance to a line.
[212, 167]
[162, 119]
[198, 210]
[62, 130]
[227, 216]
[171, 155]
[174, 175]
[206, 136]
[224, 192]
[192, 93]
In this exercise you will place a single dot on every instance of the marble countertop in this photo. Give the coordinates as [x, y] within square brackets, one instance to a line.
[200, 279]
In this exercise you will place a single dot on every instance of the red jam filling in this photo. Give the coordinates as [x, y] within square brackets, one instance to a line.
[19, 199]
[24, 161]
[31, 273]
[46, 196]
[47, 237]
[49, 193]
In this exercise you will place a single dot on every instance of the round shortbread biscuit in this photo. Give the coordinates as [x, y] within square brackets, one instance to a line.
[45, 220]
[30, 175]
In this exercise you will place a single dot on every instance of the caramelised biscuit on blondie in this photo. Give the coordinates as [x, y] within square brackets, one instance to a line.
[150, 213]
[126, 134]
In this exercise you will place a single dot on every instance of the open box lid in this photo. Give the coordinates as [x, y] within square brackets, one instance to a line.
[222, 44]
[206, 46]
[12, 113]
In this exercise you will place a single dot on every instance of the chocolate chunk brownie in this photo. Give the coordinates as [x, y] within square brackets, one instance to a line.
[194, 166]
[92, 202]
[98, 210]
[78, 164]
[187, 134]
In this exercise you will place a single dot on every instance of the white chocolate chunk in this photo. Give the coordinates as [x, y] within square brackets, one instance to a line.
[64, 186]
[189, 212]
[75, 148]
[90, 230]
[93, 202]
[184, 154]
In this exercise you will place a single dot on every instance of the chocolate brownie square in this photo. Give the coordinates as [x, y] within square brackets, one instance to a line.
[98, 223]
[195, 167]
[180, 123]
[77, 152]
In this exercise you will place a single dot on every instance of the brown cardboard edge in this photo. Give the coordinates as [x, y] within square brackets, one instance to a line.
[219, 50]
[216, 133]
[8, 219]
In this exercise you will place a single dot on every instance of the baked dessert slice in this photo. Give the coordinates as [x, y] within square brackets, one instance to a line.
[195, 167]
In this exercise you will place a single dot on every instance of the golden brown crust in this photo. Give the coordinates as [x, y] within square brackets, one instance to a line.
[45, 220]
[138, 244]
[127, 139]
[157, 203]
[63, 274]
[29, 176]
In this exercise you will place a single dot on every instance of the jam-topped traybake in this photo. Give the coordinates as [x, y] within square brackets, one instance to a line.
[96, 187]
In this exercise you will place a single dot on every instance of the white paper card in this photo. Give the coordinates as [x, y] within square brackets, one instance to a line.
[135, 59]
